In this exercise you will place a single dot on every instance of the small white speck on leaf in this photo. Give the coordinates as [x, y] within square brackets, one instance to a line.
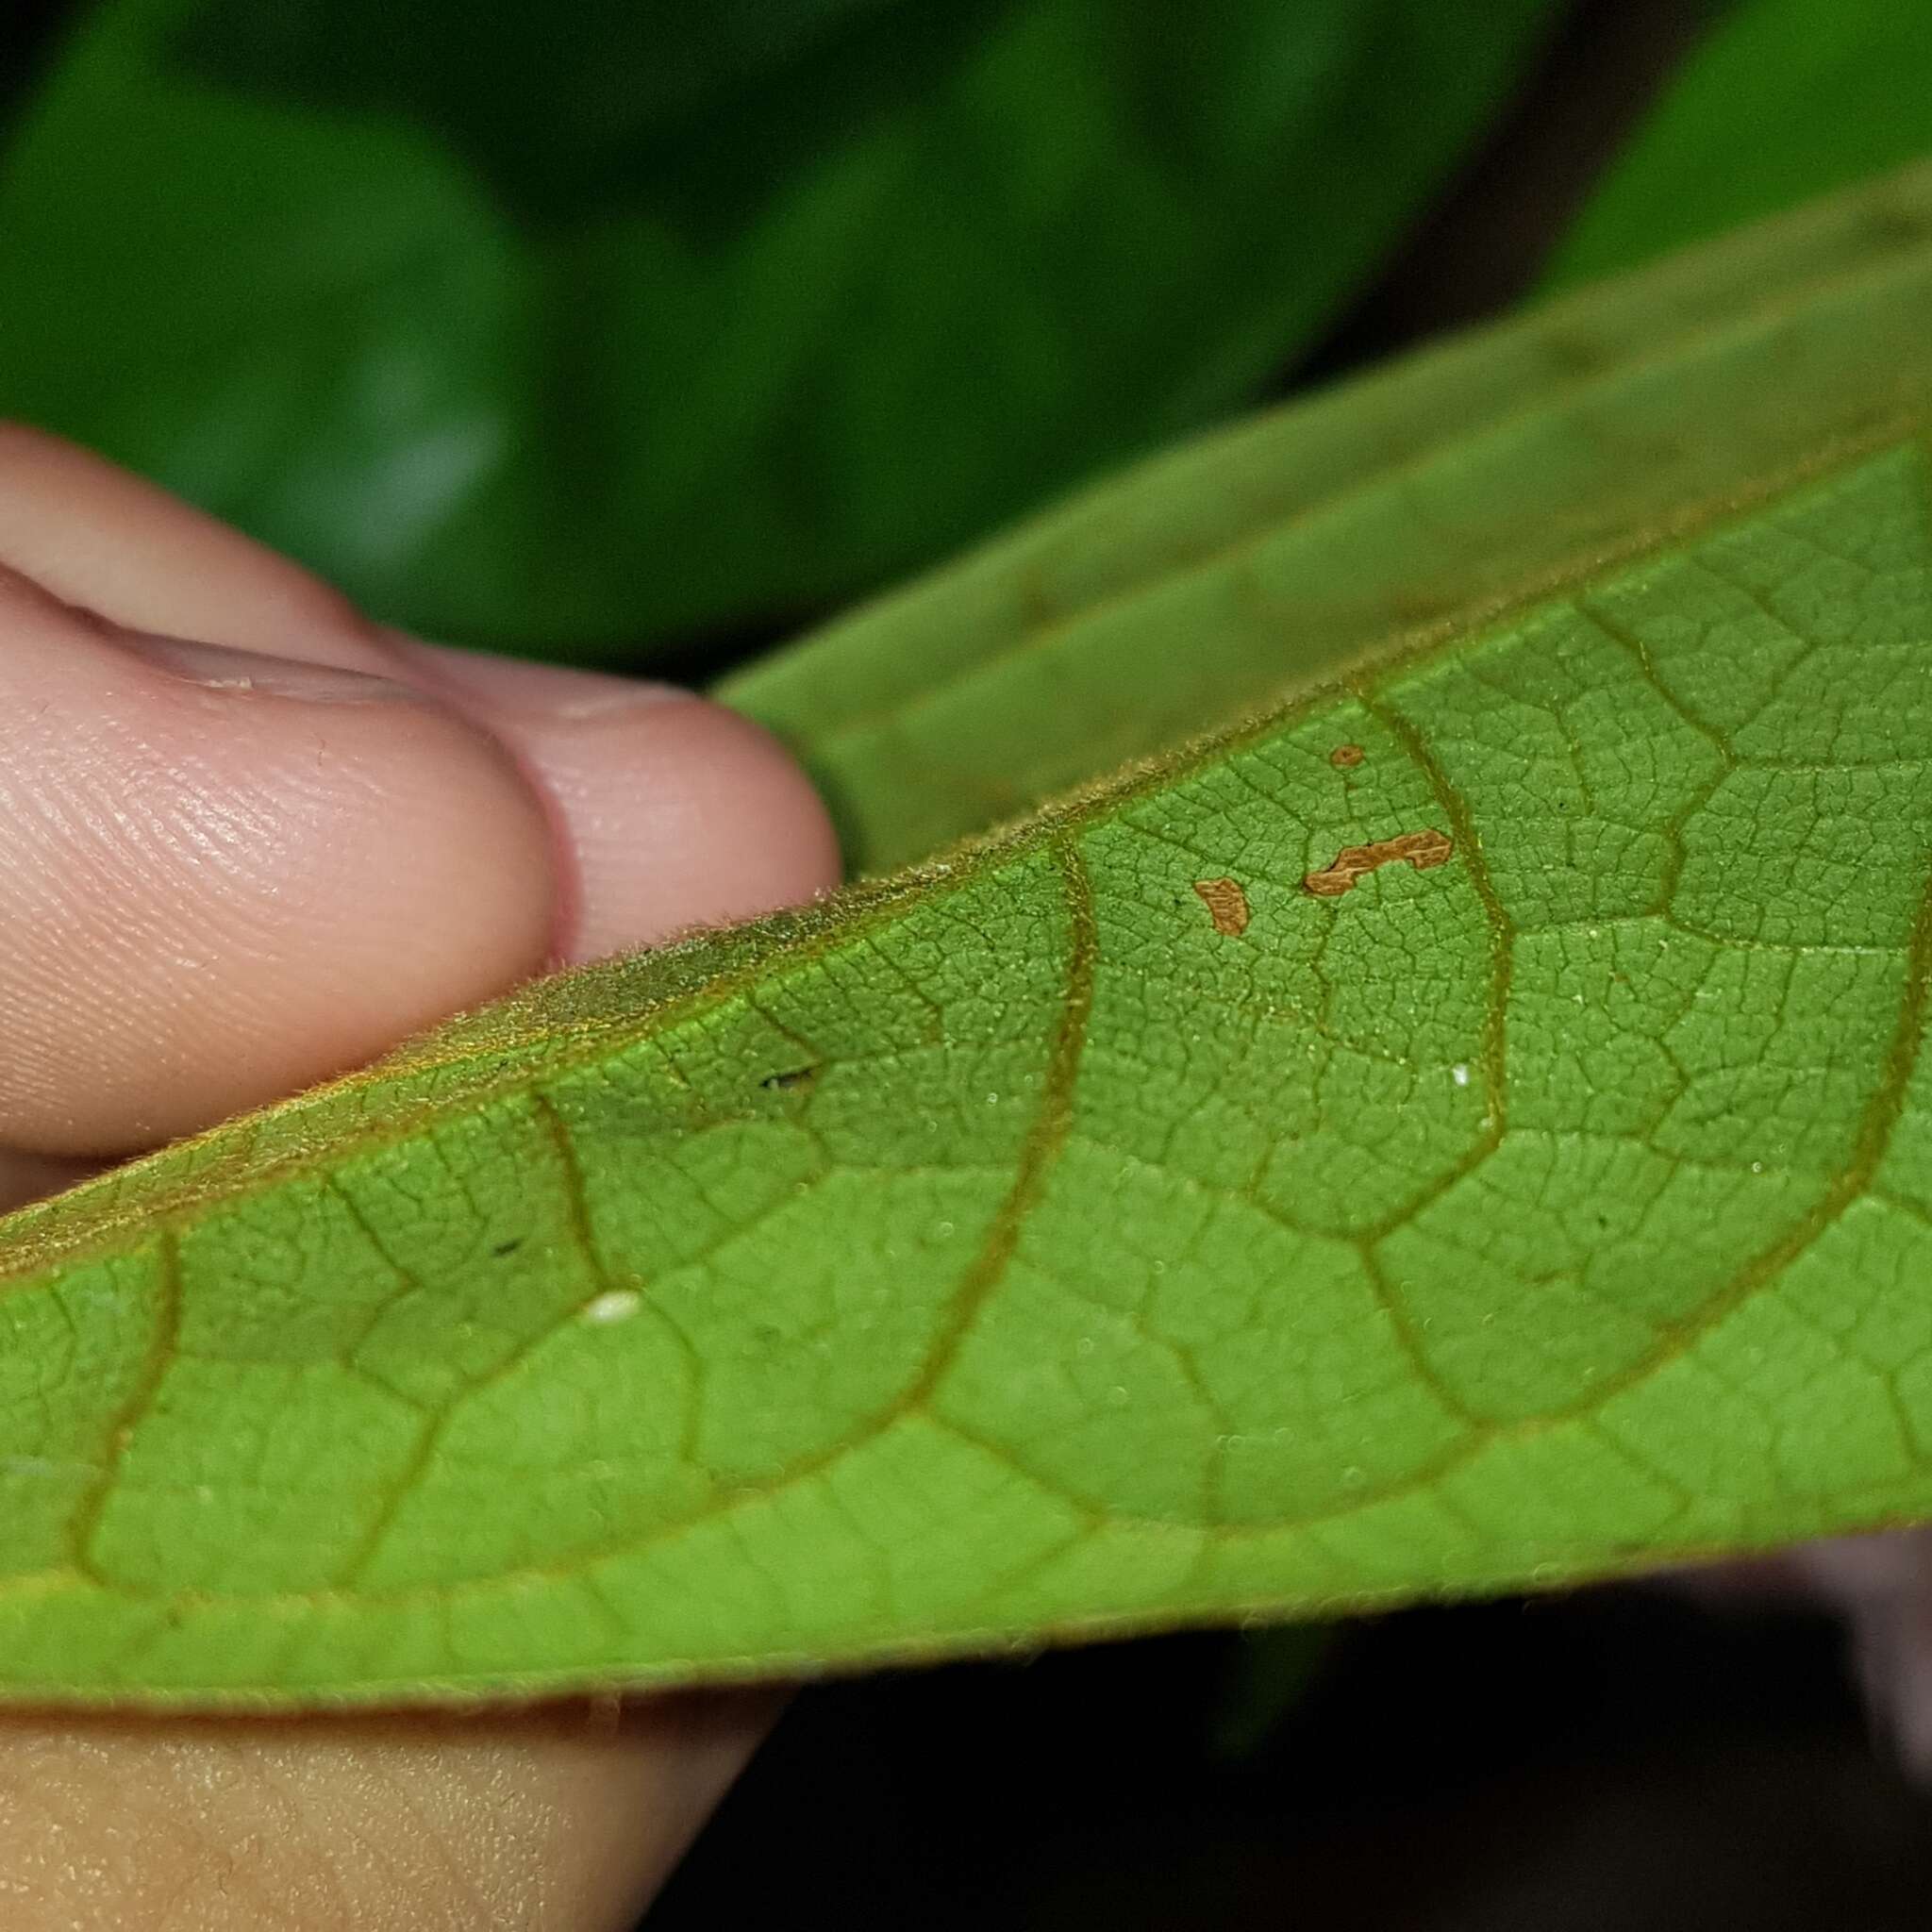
[1459, 1074]
[615, 1305]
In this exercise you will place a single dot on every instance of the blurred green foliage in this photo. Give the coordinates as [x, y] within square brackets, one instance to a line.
[578, 327]
[1788, 99]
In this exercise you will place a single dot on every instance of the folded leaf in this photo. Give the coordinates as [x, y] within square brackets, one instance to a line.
[1466, 1127]
[1157, 604]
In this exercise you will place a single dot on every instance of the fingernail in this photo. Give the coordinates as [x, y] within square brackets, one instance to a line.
[219, 667]
[545, 692]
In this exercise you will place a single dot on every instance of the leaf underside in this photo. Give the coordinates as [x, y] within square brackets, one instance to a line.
[1162, 602]
[1102, 1226]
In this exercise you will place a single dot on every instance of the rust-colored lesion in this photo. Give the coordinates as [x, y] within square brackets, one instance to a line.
[1226, 904]
[1345, 758]
[1422, 849]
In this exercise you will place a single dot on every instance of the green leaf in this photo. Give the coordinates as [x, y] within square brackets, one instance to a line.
[616, 320]
[1786, 100]
[1467, 1126]
[1157, 604]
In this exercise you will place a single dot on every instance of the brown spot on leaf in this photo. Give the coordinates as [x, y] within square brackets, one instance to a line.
[1226, 904]
[1422, 849]
[1345, 758]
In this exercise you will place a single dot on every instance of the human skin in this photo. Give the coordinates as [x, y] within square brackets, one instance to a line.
[248, 839]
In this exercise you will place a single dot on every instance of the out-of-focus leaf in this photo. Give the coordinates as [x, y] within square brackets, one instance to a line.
[1787, 100]
[569, 326]
[698, 112]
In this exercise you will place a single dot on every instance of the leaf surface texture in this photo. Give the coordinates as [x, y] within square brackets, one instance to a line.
[1466, 1125]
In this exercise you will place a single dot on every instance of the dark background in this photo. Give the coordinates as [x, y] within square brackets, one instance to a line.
[1617, 1761]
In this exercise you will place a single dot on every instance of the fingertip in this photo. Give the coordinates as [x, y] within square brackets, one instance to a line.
[223, 877]
[731, 827]
[674, 812]
[98, 536]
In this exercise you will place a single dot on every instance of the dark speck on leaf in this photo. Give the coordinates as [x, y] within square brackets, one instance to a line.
[785, 1082]
[509, 1247]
